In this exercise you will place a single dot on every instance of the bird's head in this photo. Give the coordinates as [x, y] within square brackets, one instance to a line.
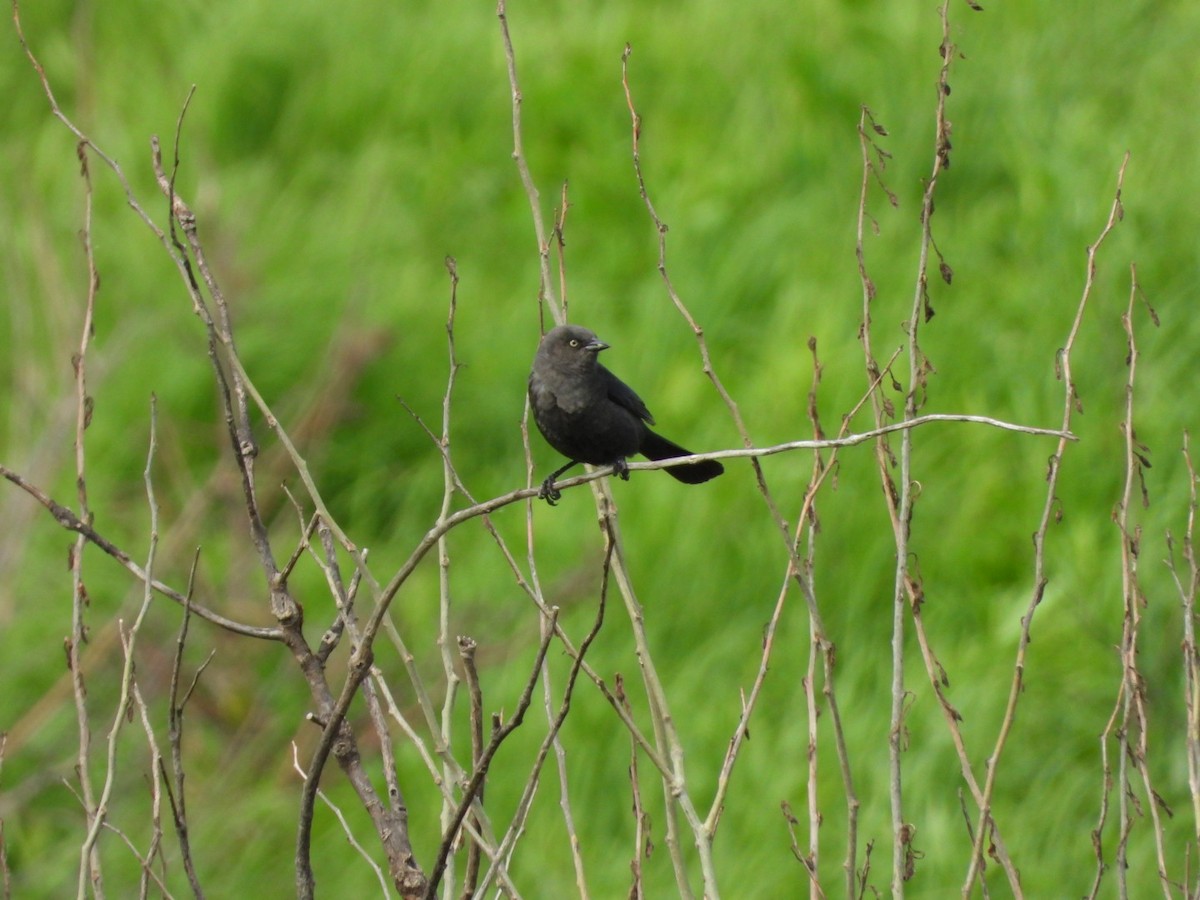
[571, 347]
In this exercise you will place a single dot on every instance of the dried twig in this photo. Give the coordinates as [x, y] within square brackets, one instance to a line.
[466, 650]
[475, 785]
[642, 844]
[97, 820]
[900, 498]
[517, 826]
[89, 857]
[346, 829]
[546, 294]
[175, 784]
[1129, 723]
[1051, 512]
[1187, 585]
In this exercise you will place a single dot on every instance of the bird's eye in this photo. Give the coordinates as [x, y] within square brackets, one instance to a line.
[574, 343]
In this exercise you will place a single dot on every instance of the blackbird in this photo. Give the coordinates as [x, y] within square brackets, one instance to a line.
[589, 415]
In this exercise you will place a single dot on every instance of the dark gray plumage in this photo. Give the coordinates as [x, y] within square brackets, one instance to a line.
[590, 416]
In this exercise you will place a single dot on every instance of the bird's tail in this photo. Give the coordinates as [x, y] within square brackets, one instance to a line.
[655, 446]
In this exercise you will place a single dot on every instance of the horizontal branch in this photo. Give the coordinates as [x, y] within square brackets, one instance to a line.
[849, 440]
[71, 522]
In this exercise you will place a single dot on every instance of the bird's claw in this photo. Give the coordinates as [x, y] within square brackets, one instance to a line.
[549, 492]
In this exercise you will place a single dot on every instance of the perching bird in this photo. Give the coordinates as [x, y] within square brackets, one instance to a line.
[590, 416]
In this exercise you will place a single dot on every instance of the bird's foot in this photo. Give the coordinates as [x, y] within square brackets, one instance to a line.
[549, 492]
[621, 469]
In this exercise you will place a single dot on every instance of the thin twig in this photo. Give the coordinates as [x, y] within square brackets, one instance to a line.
[89, 857]
[642, 844]
[5, 871]
[57, 112]
[466, 650]
[1132, 735]
[175, 785]
[444, 640]
[128, 642]
[1187, 585]
[346, 829]
[900, 499]
[546, 294]
[157, 781]
[517, 827]
[472, 788]
[1051, 512]
[799, 571]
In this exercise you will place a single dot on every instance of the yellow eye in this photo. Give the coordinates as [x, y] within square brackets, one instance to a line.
[574, 343]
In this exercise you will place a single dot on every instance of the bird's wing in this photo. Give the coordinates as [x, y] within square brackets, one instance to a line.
[623, 395]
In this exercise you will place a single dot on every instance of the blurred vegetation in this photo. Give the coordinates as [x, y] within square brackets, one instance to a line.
[336, 155]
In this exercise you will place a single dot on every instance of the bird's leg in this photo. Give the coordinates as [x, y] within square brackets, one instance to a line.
[548, 491]
[621, 468]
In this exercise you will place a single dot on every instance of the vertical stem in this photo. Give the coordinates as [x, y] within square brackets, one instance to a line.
[89, 858]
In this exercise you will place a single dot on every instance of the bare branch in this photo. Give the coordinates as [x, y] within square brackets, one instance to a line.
[350, 838]
[471, 791]
[175, 785]
[546, 294]
[71, 522]
[1049, 514]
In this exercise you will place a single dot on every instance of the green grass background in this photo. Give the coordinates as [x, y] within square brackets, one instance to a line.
[336, 154]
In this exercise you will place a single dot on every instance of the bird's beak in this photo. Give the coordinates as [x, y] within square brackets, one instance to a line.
[596, 345]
